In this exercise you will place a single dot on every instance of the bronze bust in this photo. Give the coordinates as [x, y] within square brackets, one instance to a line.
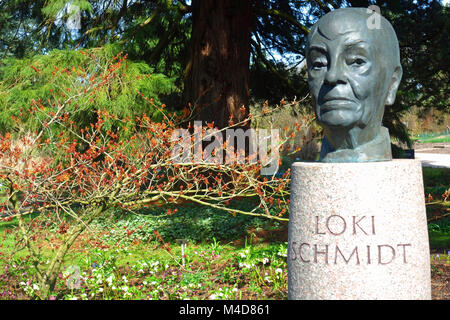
[353, 72]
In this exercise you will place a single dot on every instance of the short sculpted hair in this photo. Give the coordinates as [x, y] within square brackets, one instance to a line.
[384, 34]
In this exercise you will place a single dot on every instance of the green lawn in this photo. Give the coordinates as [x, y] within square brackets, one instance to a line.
[226, 257]
[436, 182]
[433, 139]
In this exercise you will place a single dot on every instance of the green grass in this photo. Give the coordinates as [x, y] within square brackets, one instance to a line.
[433, 139]
[439, 239]
[436, 140]
[149, 271]
[223, 260]
[436, 182]
[225, 257]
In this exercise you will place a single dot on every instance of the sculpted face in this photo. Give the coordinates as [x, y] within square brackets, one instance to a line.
[351, 70]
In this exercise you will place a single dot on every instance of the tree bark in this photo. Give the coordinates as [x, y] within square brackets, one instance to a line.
[217, 74]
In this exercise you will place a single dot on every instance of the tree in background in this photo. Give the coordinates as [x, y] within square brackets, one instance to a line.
[217, 73]
[28, 79]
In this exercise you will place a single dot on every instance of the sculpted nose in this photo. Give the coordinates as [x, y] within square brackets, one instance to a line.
[335, 74]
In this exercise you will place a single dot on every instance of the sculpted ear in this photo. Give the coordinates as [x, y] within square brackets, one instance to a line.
[395, 81]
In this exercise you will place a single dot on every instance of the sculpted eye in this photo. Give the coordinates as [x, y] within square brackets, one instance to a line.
[318, 65]
[357, 62]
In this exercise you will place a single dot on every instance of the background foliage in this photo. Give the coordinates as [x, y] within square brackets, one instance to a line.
[41, 77]
[155, 34]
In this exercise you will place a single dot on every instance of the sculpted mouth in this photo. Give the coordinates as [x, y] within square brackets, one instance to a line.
[336, 104]
[328, 99]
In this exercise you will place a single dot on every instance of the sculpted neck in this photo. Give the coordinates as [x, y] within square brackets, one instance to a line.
[351, 149]
[350, 138]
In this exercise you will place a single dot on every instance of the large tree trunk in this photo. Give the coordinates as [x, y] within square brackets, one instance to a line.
[216, 79]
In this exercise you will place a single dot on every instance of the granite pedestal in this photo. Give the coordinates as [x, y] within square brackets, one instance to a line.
[358, 231]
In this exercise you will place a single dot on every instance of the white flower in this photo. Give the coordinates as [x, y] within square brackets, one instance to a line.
[282, 253]
[265, 260]
[35, 286]
[212, 297]
[278, 270]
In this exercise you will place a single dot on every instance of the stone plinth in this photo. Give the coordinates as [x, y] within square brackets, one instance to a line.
[358, 231]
